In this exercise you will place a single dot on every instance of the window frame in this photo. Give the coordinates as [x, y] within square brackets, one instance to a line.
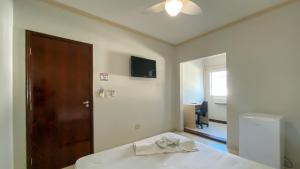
[211, 91]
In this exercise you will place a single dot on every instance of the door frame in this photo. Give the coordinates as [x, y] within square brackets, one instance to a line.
[29, 115]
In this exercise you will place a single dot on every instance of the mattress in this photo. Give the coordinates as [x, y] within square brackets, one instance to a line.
[124, 157]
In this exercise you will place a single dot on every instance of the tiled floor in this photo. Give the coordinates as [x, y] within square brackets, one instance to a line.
[214, 129]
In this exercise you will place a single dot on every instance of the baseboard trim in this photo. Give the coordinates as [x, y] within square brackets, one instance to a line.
[208, 136]
[218, 121]
[233, 151]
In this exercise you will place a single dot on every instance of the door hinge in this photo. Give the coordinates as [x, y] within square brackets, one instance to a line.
[31, 161]
[29, 51]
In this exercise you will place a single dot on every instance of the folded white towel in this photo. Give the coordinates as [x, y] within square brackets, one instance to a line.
[168, 143]
[164, 142]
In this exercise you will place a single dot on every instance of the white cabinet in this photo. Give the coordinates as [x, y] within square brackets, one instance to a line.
[261, 138]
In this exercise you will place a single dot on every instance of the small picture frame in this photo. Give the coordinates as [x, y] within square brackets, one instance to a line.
[104, 76]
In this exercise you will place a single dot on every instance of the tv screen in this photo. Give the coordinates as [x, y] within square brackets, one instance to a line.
[141, 67]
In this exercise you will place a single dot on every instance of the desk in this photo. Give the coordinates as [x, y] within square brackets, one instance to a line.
[189, 114]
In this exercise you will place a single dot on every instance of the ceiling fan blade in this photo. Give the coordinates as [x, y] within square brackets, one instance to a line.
[191, 8]
[157, 7]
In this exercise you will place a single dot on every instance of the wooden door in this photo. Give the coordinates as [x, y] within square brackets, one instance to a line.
[59, 101]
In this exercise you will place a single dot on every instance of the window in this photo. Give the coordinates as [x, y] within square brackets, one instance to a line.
[218, 83]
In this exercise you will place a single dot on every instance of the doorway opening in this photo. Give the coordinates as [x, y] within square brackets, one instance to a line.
[204, 97]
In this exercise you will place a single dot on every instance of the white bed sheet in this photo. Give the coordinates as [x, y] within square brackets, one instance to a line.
[123, 157]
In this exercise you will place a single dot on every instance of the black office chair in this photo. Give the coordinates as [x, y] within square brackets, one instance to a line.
[202, 116]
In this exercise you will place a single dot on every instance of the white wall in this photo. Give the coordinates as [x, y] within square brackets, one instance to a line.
[6, 35]
[214, 63]
[215, 60]
[263, 57]
[192, 82]
[147, 102]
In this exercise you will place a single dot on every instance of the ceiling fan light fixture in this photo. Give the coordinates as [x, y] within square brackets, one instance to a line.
[173, 7]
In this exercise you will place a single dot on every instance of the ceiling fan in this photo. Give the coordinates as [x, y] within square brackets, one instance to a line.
[174, 7]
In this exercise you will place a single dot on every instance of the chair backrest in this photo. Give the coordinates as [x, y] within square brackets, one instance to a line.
[204, 107]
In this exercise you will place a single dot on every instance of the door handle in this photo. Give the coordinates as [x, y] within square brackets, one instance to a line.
[86, 103]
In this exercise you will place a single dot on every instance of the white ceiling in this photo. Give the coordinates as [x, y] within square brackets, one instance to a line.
[132, 14]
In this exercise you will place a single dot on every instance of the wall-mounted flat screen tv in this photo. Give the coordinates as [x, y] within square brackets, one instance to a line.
[141, 67]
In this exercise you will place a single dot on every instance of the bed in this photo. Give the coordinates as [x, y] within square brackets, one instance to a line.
[124, 157]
